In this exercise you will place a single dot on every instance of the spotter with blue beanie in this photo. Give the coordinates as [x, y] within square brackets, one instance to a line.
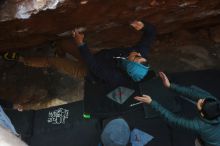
[118, 133]
[119, 66]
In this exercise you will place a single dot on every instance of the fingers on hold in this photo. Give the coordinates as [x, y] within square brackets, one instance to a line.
[139, 22]
[138, 98]
[132, 24]
[136, 21]
[19, 108]
[74, 34]
[160, 74]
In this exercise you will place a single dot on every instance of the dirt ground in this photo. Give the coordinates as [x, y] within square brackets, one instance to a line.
[38, 88]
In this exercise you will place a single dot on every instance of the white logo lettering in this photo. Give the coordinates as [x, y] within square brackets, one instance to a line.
[58, 116]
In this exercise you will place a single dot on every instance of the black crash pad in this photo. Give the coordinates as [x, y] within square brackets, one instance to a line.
[37, 129]
[97, 104]
[163, 132]
[208, 80]
[155, 89]
[64, 125]
[57, 126]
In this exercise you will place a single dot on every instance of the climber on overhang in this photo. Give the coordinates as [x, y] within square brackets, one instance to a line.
[119, 66]
[106, 65]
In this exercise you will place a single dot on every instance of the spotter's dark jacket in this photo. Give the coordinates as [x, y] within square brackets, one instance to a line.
[208, 130]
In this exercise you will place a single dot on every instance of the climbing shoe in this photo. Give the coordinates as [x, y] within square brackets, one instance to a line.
[10, 56]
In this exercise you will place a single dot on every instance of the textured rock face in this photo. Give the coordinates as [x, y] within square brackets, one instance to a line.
[216, 34]
[27, 23]
[23, 9]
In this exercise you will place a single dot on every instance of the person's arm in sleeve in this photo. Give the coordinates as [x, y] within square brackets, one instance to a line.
[190, 92]
[169, 116]
[89, 58]
[94, 66]
[86, 54]
[146, 40]
[191, 124]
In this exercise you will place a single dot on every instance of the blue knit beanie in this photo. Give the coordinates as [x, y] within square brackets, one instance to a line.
[116, 133]
[135, 70]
